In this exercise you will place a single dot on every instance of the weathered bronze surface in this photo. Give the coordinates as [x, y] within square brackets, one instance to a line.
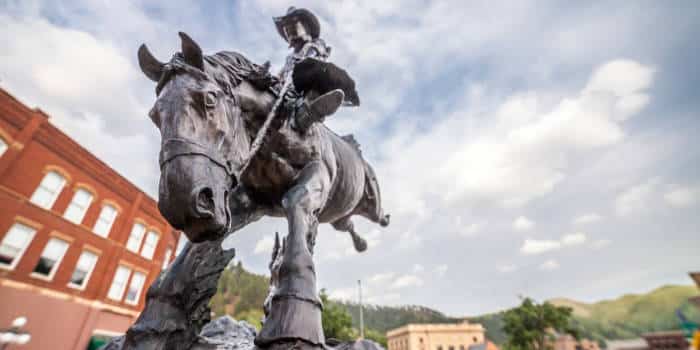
[215, 179]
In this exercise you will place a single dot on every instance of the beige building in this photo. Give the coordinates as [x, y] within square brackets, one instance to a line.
[567, 342]
[436, 336]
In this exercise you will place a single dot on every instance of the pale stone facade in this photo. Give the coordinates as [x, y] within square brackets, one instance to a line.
[567, 342]
[436, 336]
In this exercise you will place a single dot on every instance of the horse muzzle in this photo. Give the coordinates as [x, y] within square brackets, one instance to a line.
[193, 197]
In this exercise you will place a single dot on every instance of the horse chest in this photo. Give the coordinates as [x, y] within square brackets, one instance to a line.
[280, 159]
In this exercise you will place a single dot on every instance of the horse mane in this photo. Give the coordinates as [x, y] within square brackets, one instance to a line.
[227, 68]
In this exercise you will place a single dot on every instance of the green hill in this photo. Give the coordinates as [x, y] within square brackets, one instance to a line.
[242, 293]
[633, 314]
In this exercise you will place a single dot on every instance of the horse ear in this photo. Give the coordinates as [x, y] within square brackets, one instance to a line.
[150, 66]
[191, 51]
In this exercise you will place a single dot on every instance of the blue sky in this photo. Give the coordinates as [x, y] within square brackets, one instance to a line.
[533, 148]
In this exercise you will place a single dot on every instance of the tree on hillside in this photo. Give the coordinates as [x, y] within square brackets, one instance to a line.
[531, 326]
[337, 322]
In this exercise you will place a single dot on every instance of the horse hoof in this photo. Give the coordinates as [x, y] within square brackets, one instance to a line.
[360, 244]
[384, 222]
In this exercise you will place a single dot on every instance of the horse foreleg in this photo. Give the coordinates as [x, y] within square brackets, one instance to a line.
[304, 200]
[346, 225]
[243, 209]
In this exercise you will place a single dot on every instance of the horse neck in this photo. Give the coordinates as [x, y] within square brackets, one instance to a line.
[256, 103]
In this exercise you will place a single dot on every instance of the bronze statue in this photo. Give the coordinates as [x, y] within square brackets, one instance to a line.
[237, 144]
[230, 155]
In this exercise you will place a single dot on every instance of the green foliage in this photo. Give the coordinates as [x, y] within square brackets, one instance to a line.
[631, 315]
[622, 318]
[240, 294]
[384, 318]
[253, 316]
[530, 325]
[376, 336]
[337, 323]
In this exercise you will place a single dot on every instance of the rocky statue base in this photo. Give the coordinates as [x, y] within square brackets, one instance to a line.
[177, 315]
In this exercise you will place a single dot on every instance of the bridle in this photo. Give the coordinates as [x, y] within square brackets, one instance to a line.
[177, 147]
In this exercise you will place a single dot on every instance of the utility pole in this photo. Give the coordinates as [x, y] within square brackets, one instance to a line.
[362, 321]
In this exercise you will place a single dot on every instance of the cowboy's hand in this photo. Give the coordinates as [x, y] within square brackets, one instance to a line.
[261, 78]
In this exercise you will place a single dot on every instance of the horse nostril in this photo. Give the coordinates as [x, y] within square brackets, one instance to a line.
[204, 202]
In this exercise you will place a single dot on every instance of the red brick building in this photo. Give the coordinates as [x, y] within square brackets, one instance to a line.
[79, 244]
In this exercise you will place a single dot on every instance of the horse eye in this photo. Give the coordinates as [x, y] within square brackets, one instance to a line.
[210, 100]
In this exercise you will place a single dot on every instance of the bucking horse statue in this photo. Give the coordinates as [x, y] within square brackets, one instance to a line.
[229, 158]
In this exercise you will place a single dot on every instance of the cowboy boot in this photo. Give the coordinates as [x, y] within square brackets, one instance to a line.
[317, 110]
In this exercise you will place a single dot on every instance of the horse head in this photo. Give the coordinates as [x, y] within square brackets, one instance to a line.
[203, 140]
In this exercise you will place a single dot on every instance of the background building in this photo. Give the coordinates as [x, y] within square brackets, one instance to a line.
[79, 244]
[460, 336]
[567, 342]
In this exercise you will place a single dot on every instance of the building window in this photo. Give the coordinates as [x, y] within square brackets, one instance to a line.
[116, 290]
[439, 347]
[104, 222]
[78, 206]
[461, 347]
[149, 246]
[14, 244]
[83, 270]
[135, 287]
[475, 340]
[49, 189]
[166, 259]
[181, 243]
[451, 347]
[50, 258]
[3, 146]
[135, 238]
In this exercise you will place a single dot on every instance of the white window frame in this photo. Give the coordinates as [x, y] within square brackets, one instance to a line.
[140, 239]
[19, 256]
[55, 266]
[166, 258]
[111, 223]
[139, 290]
[152, 250]
[181, 243]
[124, 286]
[55, 194]
[86, 280]
[81, 216]
[3, 146]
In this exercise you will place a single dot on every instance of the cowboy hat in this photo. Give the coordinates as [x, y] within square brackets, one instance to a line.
[305, 16]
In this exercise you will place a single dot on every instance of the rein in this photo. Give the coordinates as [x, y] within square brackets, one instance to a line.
[177, 147]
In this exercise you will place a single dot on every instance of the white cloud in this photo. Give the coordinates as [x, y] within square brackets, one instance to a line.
[507, 268]
[381, 278]
[681, 196]
[549, 265]
[523, 224]
[349, 294]
[264, 245]
[601, 243]
[440, 270]
[418, 268]
[572, 239]
[533, 246]
[587, 218]
[407, 281]
[636, 199]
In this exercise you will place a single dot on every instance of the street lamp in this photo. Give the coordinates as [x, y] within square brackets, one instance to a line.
[14, 334]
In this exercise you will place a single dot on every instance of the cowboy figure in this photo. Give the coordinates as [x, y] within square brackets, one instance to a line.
[318, 88]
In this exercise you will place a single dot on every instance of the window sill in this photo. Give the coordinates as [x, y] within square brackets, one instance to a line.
[77, 287]
[41, 277]
[7, 267]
